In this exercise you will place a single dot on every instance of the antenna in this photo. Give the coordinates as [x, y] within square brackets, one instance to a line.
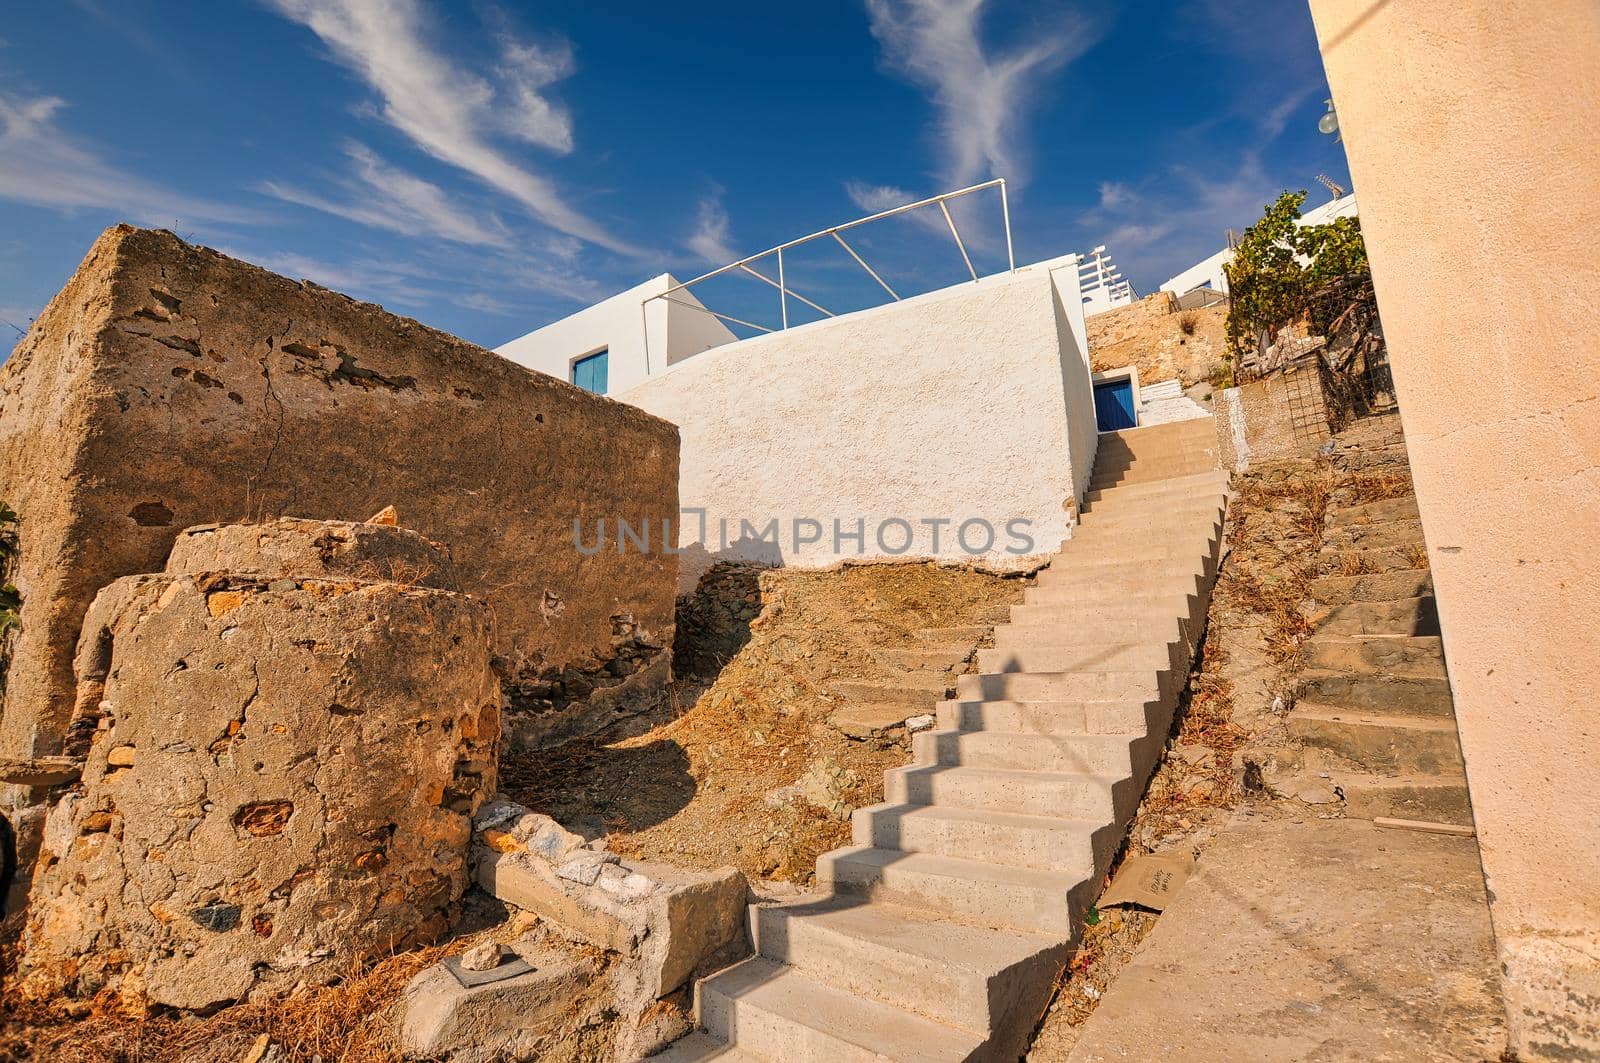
[1331, 185]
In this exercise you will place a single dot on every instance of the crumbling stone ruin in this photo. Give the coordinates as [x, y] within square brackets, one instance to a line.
[284, 757]
[169, 386]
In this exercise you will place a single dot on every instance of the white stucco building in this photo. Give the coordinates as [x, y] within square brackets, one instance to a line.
[1208, 272]
[1101, 283]
[609, 347]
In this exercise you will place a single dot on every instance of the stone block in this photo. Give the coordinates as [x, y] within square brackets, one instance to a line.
[168, 386]
[273, 791]
[506, 1019]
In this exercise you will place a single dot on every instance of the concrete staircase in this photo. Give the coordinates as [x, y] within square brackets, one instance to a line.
[938, 935]
[1374, 691]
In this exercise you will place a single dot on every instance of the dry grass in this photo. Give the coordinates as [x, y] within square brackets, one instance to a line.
[1188, 321]
[1415, 555]
[349, 1022]
[1354, 563]
[1360, 488]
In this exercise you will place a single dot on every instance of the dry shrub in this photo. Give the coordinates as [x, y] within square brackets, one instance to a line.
[1354, 563]
[1376, 487]
[1415, 555]
[1188, 321]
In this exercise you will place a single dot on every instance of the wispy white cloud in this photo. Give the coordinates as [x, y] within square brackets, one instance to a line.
[983, 95]
[384, 197]
[712, 237]
[42, 165]
[371, 280]
[451, 112]
[875, 198]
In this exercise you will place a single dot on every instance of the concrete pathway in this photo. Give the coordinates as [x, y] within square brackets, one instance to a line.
[939, 934]
[1314, 940]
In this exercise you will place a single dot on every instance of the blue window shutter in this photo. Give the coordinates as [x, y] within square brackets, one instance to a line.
[590, 372]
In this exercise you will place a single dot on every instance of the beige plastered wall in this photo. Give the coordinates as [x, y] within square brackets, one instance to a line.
[956, 405]
[1473, 132]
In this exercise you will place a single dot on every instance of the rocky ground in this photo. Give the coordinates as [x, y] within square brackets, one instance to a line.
[752, 773]
[742, 767]
[1189, 346]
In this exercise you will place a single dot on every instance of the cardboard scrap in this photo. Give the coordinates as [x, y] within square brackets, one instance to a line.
[1148, 881]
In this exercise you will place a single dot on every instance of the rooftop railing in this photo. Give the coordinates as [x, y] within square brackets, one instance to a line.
[785, 292]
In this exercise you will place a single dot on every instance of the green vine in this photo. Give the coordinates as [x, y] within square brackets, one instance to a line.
[1283, 272]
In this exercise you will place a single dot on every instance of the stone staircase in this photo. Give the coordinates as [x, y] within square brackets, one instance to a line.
[938, 935]
[1374, 691]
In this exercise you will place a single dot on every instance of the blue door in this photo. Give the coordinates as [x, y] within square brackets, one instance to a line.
[589, 372]
[1113, 405]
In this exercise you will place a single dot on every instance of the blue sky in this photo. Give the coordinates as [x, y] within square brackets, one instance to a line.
[487, 167]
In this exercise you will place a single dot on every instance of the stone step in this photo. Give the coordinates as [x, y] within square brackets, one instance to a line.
[1140, 684]
[1377, 694]
[1383, 745]
[1146, 653]
[1171, 511]
[1112, 756]
[1141, 472]
[926, 658]
[966, 634]
[1068, 570]
[1378, 459]
[1389, 533]
[1045, 843]
[1431, 798]
[913, 688]
[1399, 655]
[778, 1013]
[1057, 717]
[1374, 561]
[1403, 616]
[1075, 795]
[871, 719]
[1372, 587]
[701, 1048]
[966, 976]
[999, 895]
[1385, 509]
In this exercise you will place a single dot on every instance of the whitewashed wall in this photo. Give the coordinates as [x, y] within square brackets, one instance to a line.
[622, 324]
[969, 403]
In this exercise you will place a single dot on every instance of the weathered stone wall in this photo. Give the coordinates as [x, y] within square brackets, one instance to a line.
[168, 386]
[1282, 415]
[281, 779]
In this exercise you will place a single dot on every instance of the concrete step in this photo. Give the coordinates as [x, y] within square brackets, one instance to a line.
[1403, 616]
[1431, 798]
[913, 688]
[966, 976]
[1141, 684]
[1074, 795]
[1401, 655]
[1206, 482]
[1386, 509]
[1156, 583]
[1153, 625]
[700, 1048]
[1070, 570]
[1189, 608]
[1194, 428]
[1108, 755]
[1057, 717]
[778, 1013]
[1383, 745]
[1147, 653]
[999, 895]
[1146, 472]
[1372, 587]
[1377, 694]
[1044, 843]
[1371, 536]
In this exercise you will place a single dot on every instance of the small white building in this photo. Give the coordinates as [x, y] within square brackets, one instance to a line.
[1102, 283]
[609, 347]
[1208, 272]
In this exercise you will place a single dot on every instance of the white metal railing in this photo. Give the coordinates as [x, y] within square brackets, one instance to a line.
[785, 292]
